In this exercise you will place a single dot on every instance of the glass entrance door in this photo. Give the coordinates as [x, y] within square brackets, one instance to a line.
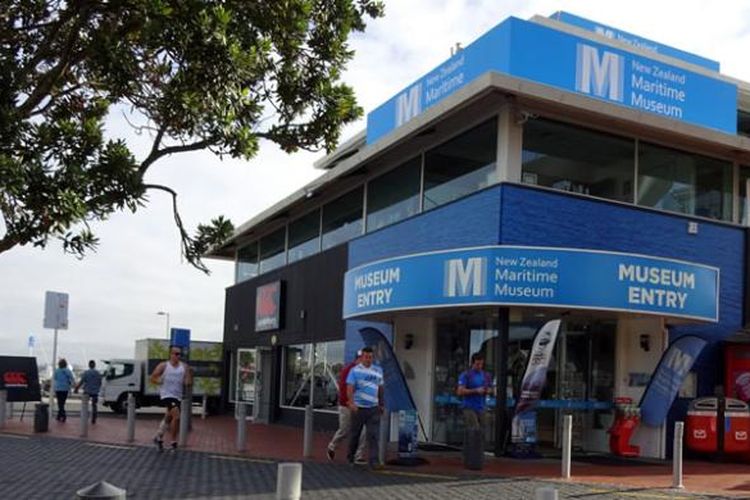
[457, 338]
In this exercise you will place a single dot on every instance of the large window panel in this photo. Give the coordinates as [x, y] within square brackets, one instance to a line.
[394, 196]
[329, 360]
[744, 193]
[247, 262]
[342, 219]
[296, 389]
[579, 160]
[461, 166]
[683, 182]
[272, 250]
[304, 236]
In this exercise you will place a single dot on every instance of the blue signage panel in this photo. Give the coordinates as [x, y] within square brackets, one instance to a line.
[534, 276]
[634, 40]
[544, 55]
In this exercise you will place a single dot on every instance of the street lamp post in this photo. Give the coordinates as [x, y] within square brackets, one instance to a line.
[163, 313]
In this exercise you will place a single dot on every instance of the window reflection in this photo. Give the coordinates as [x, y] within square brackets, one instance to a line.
[247, 262]
[304, 236]
[272, 250]
[394, 196]
[342, 219]
[329, 359]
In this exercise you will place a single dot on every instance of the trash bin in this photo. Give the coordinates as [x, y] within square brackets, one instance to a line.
[736, 427]
[41, 417]
[702, 434]
[473, 449]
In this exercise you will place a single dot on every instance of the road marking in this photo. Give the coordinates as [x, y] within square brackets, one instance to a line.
[415, 474]
[113, 446]
[13, 436]
[242, 459]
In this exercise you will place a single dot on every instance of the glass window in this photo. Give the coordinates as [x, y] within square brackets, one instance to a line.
[342, 219]
[461, 166]
[329, 360]
[272, 250]
[118, 370]
[246, 371]
[744, 205]
[575, 159]
[743, 123]
[684, 182]
[247, 262]
[394, 196]
[304, 236]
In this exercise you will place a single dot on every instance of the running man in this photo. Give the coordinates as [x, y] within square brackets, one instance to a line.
[173, 375]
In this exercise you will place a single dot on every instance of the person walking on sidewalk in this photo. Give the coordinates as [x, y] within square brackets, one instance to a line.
[63, 380]
[173, 375]
[91, 380]
[364, 386]
[345, 416]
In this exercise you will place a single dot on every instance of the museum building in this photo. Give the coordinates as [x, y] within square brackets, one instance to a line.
[554, 168]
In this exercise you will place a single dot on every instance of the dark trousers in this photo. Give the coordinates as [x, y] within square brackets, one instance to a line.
[94, 400]
[61, 396]
[369, 418]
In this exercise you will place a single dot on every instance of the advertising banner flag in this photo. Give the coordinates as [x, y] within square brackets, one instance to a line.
[396, 392]
[668, 377]
[535, 377]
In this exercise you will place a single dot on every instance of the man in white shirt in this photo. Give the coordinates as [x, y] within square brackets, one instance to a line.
[172, 375]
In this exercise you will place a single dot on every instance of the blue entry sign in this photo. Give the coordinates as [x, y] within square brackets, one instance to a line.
[541, 54]
[534, 276]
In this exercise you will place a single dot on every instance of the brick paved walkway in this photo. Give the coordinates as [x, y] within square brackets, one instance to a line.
[217, 436]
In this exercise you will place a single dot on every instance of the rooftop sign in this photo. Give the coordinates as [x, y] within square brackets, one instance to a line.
[634, 40]
[534, 276]
[575, 64]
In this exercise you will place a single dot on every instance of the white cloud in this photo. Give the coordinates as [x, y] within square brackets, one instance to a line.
[116, 292]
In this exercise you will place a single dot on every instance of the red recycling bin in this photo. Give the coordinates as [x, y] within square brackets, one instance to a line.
[627, 418]
[737, 427]
[701, 425]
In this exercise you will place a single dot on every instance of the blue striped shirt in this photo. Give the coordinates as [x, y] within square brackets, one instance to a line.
[366, 382]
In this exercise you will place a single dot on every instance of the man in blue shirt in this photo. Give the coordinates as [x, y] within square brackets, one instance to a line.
[364, 386]
[91, 380]
[473, 386]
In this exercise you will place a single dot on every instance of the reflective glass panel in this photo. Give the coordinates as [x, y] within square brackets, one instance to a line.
[461, 166]
[297, 375]
[272, 250]
[304, 236]
[744, 192]
[683, 182]
[394, 195]
[247, 262]
[342, 219]
[329, 360]
[579, 160]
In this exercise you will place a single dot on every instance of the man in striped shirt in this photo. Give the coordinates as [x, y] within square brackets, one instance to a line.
[364, 386]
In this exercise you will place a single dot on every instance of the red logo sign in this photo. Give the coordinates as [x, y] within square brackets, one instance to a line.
[15, 379]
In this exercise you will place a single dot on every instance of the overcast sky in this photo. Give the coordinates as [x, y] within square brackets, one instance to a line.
[116, 292]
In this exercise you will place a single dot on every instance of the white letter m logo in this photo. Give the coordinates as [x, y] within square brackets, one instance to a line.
[680, 362]
[464, 279]
[604, 74]
[408, 104]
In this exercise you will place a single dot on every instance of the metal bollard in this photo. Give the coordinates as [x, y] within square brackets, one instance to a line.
[204, 407]
[307, 440]
[241, 426]
[546, 494]
[385, 433]
[289, 481]
[677, 456]
[3, 407]
[131, 417]
[185, 407]
[566, 445]
[102, 489]
[84, 415]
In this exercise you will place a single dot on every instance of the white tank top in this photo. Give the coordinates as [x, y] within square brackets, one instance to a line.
[172, 381]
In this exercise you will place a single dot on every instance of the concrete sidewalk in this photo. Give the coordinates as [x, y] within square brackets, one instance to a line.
[217, 435]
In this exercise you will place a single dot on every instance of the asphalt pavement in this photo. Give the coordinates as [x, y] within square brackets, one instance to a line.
[47, 467]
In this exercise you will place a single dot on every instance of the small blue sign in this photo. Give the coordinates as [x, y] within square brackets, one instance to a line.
[551, 57]
[180, 337]
[635, 41]
[534, 276]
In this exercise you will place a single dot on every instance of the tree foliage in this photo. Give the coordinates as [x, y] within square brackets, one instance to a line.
[200, 74]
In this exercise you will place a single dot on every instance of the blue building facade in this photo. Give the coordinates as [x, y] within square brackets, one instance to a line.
[594, 177]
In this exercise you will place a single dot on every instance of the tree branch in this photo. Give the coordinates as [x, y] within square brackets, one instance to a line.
[155, 154]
